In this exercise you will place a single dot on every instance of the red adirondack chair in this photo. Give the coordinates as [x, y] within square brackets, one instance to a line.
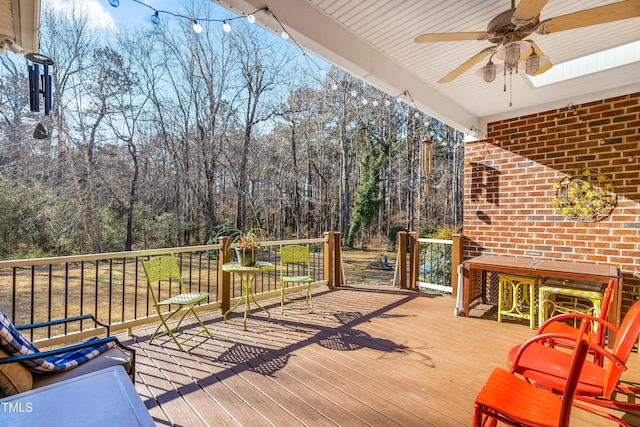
[514, 401]
[549, 367]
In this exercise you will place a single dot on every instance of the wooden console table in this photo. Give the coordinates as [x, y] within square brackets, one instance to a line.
[472, 290]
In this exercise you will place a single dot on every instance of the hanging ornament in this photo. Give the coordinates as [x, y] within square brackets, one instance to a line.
[427, 160]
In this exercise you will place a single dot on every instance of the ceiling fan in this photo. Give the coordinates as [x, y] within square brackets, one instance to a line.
[508, 32]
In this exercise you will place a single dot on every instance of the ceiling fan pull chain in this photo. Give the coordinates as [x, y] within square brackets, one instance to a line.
[510, 89]
[504, 74]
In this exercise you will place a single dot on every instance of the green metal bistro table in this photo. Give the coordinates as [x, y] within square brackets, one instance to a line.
[247, 276]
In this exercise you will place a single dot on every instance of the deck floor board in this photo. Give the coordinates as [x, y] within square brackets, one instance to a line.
[367, 356]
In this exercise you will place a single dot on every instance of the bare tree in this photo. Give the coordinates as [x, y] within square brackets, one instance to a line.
[256, 101]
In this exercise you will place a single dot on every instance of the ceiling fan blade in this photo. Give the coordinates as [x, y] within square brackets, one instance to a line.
[450, 37]
[527, 11]
[467, 64]
[597, 15]
[545, 67]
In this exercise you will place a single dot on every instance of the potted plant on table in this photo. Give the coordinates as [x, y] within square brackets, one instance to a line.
[247, 243]
[248, 246]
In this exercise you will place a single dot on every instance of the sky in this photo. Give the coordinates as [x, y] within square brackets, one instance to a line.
[132, 13]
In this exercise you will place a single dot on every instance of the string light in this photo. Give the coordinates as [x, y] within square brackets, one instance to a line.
[197, 28]
[285, 35]
[155, 18]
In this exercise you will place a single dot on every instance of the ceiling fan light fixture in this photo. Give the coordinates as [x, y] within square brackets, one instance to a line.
[511, 52]
[489, 71]
[534, 62]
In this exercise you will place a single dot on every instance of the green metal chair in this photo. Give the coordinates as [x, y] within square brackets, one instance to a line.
[161, 270]
[296, 259]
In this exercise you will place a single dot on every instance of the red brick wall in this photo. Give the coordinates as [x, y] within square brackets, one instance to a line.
[509, 181]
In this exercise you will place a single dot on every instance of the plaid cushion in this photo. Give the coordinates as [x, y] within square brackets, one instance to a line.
[14, 344]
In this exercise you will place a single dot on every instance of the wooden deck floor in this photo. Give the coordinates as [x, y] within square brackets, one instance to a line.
[367, 357]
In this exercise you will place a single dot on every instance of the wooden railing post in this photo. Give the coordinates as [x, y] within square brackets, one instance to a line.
[329, 263]
[337, 259]
[402, 259]
[414, 259]
[456, 260]
[224, 277]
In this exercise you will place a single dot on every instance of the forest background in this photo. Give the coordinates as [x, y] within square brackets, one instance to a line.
[158, 135]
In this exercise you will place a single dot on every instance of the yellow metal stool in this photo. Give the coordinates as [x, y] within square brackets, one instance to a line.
[576, 298]
[517, 297]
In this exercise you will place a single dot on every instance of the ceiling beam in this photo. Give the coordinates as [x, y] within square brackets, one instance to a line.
[325, 38]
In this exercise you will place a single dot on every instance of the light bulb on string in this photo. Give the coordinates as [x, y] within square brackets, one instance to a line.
[387, 102]
[354, 93]
[375, 103]
[364, 101]
[251, 19]
[416, 115]
[155, 18]
[114, 3]
[285, 35]
[226, 27]
[334, 86]
[197, 28]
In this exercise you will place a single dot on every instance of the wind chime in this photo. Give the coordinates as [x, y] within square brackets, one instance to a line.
[39, 85]
[427, 161]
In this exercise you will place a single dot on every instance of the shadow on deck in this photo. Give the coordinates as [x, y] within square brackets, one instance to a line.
[367, 356]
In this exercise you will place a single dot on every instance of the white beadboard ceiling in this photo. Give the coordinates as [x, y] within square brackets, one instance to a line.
[374, 40]
[20, 23]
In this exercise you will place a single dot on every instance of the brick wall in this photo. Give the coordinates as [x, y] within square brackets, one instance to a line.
[509, 181]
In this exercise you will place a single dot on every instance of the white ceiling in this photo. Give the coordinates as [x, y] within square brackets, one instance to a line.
[374, 40]
[20, 23]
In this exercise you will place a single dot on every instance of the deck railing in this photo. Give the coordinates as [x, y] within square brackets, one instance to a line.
[441, 256]
[434, 261]
[113, 287]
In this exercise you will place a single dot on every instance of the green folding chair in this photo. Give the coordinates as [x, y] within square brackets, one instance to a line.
[161, 270]
[296, 259]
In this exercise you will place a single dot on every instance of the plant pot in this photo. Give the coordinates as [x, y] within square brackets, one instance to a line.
[247, 257]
